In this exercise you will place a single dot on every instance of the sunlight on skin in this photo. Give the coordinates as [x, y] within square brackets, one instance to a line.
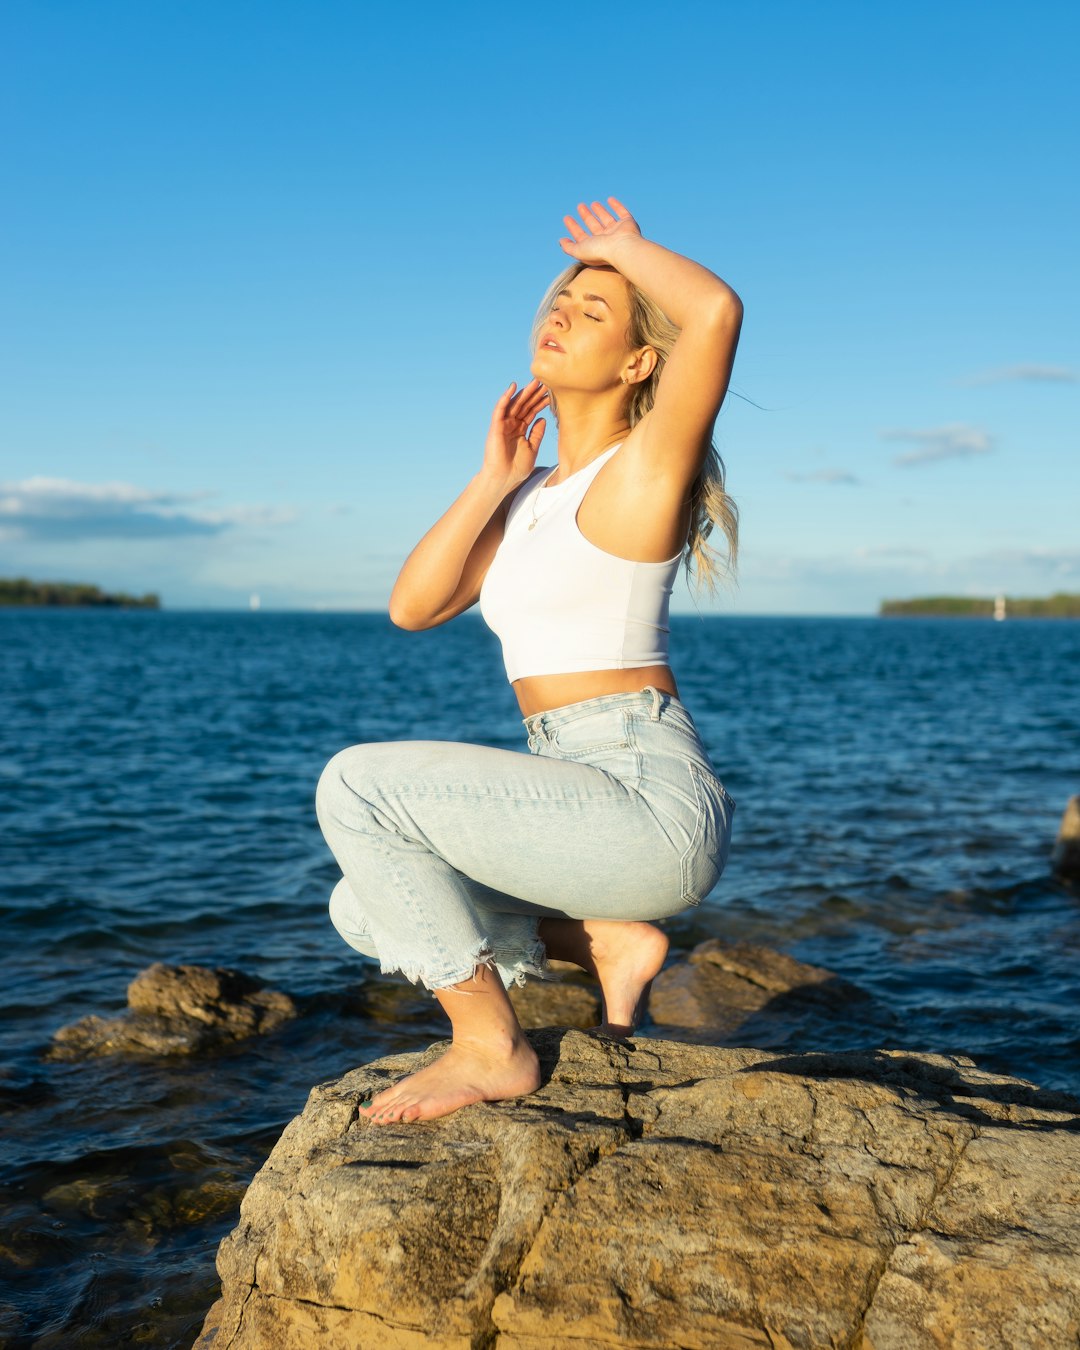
[490, 1058]
[591, 371]
[624, 957]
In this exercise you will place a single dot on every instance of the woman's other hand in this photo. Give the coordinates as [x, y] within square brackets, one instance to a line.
[511, 448]
[606, 229]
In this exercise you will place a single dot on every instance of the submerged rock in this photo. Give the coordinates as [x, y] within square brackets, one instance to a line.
[658, 1194]
[179, 1010]
[1066, 857]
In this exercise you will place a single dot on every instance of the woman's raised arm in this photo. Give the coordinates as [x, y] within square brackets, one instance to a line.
[443, 574]
[675, 432]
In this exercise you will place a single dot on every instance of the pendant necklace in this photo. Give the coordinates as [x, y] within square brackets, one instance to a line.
[536, 498]
[536, 495]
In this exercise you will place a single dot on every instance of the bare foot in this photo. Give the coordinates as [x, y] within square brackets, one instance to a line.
[623, 955]
[626, 957]
[466, 1073]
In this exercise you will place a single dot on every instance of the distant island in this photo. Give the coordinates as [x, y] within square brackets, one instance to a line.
[1058, 606]
[70, 595]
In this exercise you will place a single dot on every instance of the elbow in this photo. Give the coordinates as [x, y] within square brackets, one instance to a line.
[402, 614]
[729, 308]
[721, 312]
[400, 617]
[413, 620]
[399, 612]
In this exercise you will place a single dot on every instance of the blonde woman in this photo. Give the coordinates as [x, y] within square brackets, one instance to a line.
[466, 867]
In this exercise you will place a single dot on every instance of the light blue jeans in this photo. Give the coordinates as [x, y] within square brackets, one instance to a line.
[453, 853]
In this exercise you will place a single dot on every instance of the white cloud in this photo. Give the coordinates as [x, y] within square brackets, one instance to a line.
[61, 509]
[823, 476]
[1063, 562]
[901, 566]
[953, 441]
[1033, 373]
[885, 551]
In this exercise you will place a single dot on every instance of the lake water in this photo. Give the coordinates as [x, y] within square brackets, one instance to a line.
[900, 784]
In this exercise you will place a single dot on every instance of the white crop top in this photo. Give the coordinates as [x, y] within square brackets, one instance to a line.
[560, 604]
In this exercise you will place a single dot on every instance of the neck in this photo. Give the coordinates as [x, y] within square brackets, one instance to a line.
[588, 426]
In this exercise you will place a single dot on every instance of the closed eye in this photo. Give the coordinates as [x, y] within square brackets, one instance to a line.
[595, 319]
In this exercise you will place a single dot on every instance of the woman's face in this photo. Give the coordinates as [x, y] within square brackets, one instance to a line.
[583, 340]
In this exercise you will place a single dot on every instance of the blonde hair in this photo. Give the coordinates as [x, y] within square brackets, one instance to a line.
[710, 504]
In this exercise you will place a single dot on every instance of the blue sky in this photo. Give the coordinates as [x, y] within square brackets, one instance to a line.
[268, 266]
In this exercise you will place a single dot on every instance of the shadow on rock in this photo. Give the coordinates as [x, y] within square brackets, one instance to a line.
[735, 993]
[970, 1092]
[659, 1194]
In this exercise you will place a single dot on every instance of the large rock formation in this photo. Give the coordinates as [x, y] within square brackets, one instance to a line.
[658, 1194]
[179, 1010]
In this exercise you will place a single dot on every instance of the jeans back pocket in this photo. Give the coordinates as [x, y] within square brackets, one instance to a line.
[707, 852]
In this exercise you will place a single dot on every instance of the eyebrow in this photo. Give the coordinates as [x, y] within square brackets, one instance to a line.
[565, 291]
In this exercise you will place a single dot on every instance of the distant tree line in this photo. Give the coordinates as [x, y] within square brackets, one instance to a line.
[69, 594]
[1058, 606]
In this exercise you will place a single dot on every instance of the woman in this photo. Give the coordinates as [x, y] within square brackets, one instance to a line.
[466, 866]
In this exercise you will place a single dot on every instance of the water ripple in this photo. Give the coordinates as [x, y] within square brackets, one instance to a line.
[899, 787]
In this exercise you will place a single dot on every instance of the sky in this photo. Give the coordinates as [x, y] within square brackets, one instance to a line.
[266, 268]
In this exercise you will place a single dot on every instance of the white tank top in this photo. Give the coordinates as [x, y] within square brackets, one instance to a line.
[560, 604]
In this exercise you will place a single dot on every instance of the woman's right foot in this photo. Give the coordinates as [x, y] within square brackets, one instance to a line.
[627, 957]
[624, 956]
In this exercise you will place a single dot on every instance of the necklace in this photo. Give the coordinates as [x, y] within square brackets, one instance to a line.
[536, 495]
[536, 498]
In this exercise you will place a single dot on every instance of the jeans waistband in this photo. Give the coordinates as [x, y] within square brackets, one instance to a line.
[650, 697]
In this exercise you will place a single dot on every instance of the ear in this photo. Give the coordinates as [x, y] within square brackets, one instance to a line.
[642, 366]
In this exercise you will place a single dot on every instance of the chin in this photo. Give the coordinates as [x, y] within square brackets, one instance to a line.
[543, 360]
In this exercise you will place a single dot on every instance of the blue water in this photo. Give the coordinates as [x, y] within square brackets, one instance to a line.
[899, 785]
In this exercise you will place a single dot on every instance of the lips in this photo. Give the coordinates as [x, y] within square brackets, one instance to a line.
[551, 345]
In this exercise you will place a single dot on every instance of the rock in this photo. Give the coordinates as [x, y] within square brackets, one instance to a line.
[179, 1010]
[656, 1194]
[1066, 856]
[572, 1001]
[734, 992]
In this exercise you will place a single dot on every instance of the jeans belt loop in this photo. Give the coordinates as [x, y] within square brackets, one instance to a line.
[654, 716]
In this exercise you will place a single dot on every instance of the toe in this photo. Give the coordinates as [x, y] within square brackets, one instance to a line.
[377, 1105]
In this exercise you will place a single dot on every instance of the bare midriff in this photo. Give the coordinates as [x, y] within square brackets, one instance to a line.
[541, 693]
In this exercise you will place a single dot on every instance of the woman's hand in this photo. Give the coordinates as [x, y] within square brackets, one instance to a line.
[596, 248]
[510, 453]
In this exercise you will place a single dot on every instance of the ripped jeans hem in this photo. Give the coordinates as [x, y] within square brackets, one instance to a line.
[513, 967]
